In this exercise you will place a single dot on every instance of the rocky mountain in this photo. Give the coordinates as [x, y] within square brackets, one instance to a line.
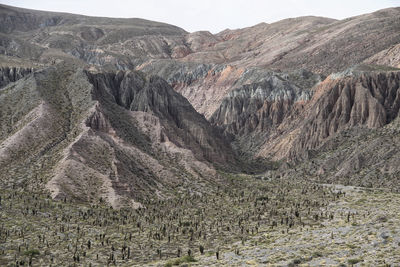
[319, 44]
[252, 111]
[360, 97]
[121, 43]
[207, 85]
[129, 109]
[129, 142]
[310, 43]
[120, 136]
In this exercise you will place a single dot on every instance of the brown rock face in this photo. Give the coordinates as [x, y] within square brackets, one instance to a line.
[121, 136]
[359, 99]
[204, 85]
[259, 106]
[182, 124]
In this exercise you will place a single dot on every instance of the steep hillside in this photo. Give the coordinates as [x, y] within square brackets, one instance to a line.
[207, 85]
[253, 111]
[321, 45]
[119, 43]
[181, 124]
[362, 157]
[388, 57]
[261, 105]
[261, 89]
[361, 97]
[119, 136]
[318, 44]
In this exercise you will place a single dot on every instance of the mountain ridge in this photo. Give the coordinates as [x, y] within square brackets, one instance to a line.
[192, 104]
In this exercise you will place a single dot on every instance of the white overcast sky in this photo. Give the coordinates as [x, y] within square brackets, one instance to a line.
[211, 15]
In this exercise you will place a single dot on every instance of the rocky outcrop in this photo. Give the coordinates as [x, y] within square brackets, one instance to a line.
[120, 136]
[251, 113]
[204, 85]
[12, 74]
[259, 106]
[351, 99]
[182, 124]
[207, 85]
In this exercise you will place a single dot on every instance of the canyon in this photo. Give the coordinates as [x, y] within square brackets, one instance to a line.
[135, 113]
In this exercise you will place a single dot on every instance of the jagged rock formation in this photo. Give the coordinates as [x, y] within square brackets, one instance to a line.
[207, 85]
[258, 106]
[354, 98]
[120, 136]
[182, 125]
[204, 85]
[251, 112]
[13, 74]
[87, 125]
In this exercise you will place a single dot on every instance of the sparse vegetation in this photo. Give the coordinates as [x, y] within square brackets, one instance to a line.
[252, 214]
[185, 259]
[353, 261]
[32, 252]
[189, 224]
